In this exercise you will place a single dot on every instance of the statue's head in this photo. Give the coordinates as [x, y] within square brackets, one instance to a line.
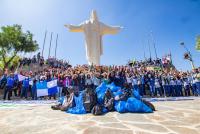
[93, 16]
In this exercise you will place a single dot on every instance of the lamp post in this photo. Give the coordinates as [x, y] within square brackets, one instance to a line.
[188, 55]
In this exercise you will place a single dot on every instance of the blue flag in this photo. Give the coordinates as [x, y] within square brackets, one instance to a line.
[46, 88]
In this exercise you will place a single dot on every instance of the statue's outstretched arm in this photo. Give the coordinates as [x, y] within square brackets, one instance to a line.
[109, 29]
[73, 28]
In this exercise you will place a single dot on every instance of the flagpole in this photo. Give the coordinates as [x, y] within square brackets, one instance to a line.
[154, 44]
[149, 49]
[50, 45]
[144, 55]
[56, 45]
[44, 42]
[144, 50]
[155, 50]
[170, 56]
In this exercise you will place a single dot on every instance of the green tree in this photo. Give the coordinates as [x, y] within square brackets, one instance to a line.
[198, 43]
[13, 63]
[13, 41]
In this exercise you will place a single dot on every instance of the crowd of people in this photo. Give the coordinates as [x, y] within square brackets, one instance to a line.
[165, 62]
[38, 59]
[35, 59]
[55, 63]
[153, 83]
[147, 62]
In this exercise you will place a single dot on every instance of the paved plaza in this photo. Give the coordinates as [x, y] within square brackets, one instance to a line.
[171, 117]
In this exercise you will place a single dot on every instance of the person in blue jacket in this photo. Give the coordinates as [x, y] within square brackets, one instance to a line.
[142, 86]
[34, 90]
[152, 86]
[25, 87]
[9, 86]
[3, 81]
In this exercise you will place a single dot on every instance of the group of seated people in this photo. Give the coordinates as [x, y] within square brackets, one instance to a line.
[102, 100]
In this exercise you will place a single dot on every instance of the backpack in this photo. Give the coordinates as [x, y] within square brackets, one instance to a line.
[89, 100]
[109, 103]
[124, 96]
[97, 110]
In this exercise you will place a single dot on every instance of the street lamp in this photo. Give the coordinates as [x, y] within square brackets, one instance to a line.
[188, 55]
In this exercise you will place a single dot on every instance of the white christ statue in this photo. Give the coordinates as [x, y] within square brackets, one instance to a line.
[93, 30]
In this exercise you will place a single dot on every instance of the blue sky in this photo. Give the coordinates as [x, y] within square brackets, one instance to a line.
[171, 22]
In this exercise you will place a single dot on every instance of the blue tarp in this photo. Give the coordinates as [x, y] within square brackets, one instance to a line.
[100, 91]
[134, 105]
[119, 92]
[120, 106]
[113, 87]
[136, 94]
[79, 108]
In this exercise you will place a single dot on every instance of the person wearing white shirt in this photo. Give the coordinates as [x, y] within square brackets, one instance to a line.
[135, 83]
[198, 83]
[172, 87]
[186, 86]
[129, 79]
[96, 80]
[179, 86]
[88, 82]
[165, 86]
[157, 87]
[194, 86]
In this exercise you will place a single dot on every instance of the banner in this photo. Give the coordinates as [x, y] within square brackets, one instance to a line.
[20, 77]
[152, 68]
[46, 88]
